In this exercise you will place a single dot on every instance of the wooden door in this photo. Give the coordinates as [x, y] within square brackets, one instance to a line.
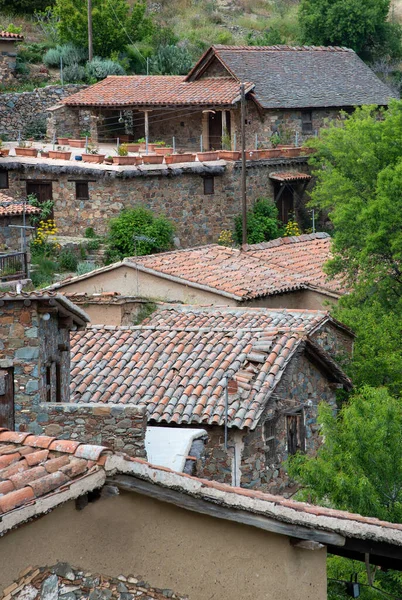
[284, 200]
[43, 191]
[215, 130]
[7, 398]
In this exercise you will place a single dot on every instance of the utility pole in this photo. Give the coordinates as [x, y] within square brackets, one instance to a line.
[90, 45]
[243, 164]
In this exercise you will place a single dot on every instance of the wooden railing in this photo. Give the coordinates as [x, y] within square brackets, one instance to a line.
[13, 266]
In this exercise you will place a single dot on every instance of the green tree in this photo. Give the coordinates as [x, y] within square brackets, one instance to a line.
[357, 24]
[115, 24]
[262, 223]
[24, 7]
[171, 60]
[153, 234]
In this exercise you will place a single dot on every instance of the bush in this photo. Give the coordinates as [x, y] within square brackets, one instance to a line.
[23, 7]
[32, 53]
[36, 128]
[262, 223]
[74, 74]
[100, 68]
[171, 60]
[68, 260]
[70, 54]
[154, 234]
[92, 245]
[44, 272]
[85, 267]
[90, 233]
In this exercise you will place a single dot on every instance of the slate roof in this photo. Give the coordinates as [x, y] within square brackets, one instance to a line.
[176, 364]
[157, 90]
[34, 468]
[300, 77]
[302, 255]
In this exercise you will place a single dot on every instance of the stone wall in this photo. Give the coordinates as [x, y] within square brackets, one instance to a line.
[337, 342]
[7, 66]
[178, 194]
[70, 583]
[10, 237]
[117, 426]
[17, 110]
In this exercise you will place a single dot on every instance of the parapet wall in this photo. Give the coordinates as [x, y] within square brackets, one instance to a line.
[116, 426]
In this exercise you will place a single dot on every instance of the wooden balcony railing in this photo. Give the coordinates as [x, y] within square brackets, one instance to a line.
[13, 266]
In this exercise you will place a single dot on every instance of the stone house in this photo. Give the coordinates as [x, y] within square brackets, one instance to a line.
[289, 90]
[16, 214]
[252, 378]
[284, 273]
[113, 523]
[201, 198]
[8, 55]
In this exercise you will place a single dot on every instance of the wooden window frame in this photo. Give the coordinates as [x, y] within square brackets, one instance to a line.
[298, 418]
[48, 386]
[58, 383]
[4, 172]
[209, 180]
[307, 121]
[81, 183]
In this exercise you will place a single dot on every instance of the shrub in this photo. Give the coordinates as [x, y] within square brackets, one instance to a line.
[153, 233]
[23, 7]
[122, 150]
[90, 233]
[35, 128]
[52, 57]
[171, 60]
[74, 74]
[93, 245]
[85, 267]
[100, 68]
[70, 54]
[68, 260]
[44, 272]
[262, 223]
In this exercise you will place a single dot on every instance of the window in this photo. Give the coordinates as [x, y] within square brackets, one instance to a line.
[53, 382]
[209, 185]
[49, 383]
[307, 122]
[81, 190]
[3, 180]
[295, 433]
[58, 382]
[270, 440]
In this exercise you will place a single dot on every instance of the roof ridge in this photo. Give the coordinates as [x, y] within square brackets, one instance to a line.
[294, 239]
[283, 48]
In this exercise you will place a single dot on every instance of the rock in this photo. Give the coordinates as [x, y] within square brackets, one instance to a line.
[69, 596]
[50, 588]
[64, 570]
[122, 588]
[28, 593]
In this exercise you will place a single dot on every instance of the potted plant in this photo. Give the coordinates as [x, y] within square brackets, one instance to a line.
[3, 151]
[179, 158]
[152, 159]
[81, 143]
[229, 154]
[108, 160]
[25, 149]
[92, 155]
[122, 157]
[60, 153]
[163, 150]
[142, 143]
[208, 155]
[134, 147]
[252, 154]
[42, 153]
[63, 140]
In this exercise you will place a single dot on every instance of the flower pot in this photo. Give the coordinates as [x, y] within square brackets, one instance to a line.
[125, 160]
[212, 155]
[163, 150]
[133, 147]
[77, 143]
[26, 152]
[307, 150]
[152, 159]
[290, 152]
[229, 154]
[124, 138]
[93, 158]
[108, 161]
[63, 141]
[60, 154]
[252, 154]
[269, 153]
[4, 151]
[43, 155]
[179, 158]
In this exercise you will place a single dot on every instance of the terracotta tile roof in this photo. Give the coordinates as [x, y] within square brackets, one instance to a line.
[10, 207]
[157, 90]
[300, 255]
[32, 468]
[10, 36]
[80, 317]
[300, 77]
[227, 270]
[290, 176]
[176, 364]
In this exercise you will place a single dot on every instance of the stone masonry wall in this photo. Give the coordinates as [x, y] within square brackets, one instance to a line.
[337, 342]
[7, 66]
[17, 110]
[119, 427]
[199, 218]
[10, 237]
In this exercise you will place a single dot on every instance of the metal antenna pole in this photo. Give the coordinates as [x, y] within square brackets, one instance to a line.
[90, 44]
[243, 164]
[226, 412]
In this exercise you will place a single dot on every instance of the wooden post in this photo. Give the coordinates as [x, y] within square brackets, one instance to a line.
[146, 123]
[243, 164]
[205, 130]
[224, 126]
[90, 43]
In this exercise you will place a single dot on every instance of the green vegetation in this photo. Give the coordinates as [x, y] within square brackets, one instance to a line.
[24, 7]
[138, 231]
[262, 223]
[171, 60]
[144, 312]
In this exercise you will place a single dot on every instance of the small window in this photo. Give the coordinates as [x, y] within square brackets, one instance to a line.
[3, 180]
[270, 440]
[295, 433]
[209, 185]
[58, 382]
[307, 122]
[49, 383]
[81, 190]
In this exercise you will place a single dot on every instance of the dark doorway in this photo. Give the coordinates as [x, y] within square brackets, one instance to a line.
[295, 433]
[284, 200]
[7, 398]
[215, 129]
[43, 191]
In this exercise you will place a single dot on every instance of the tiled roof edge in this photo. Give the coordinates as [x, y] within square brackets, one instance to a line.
[294, 239]
[47, 295]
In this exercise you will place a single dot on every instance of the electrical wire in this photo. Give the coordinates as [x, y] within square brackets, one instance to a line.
[125, 31]
[369, 586]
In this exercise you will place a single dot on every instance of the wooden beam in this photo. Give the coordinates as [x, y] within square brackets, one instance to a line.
[306, 544]
[199, 505]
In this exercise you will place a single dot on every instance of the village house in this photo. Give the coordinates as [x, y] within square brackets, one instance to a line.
[8, 55]
[68, 509]
[283, 273]
[16, 214]
[289, 90]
